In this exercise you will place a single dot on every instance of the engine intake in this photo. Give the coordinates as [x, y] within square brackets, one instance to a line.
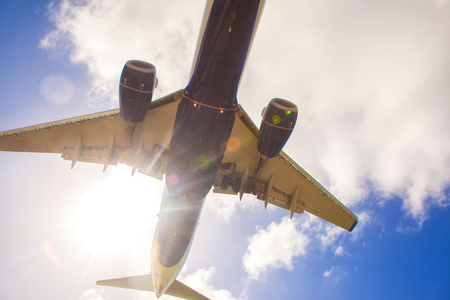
[137, 83]
[276, 126]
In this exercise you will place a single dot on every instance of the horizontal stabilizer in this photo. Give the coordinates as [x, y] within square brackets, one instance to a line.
[144, 283]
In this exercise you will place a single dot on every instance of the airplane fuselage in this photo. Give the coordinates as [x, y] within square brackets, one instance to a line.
[203, 125]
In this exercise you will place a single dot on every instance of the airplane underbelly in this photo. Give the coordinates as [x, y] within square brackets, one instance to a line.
[176, 226]
[198, 145]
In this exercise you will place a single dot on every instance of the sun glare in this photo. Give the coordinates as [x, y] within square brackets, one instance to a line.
[119, 213]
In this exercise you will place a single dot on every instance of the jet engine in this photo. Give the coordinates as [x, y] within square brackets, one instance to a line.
[137, 83]
[276, 126]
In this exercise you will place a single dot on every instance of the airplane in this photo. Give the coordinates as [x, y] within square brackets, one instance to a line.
[197, 139]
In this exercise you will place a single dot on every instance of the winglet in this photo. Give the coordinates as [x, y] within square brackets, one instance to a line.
[353, 226]
[145, 283]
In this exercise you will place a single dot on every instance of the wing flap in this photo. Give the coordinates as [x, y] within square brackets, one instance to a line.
[311, 196]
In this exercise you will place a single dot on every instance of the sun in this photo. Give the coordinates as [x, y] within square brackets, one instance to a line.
[119, 213]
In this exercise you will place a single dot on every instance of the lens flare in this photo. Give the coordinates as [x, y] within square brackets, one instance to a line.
[234, 144]
[276, 119]
[173, 179]
[202, 162]
[51, 253]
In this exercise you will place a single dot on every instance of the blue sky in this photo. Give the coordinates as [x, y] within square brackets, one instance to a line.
[371, 82]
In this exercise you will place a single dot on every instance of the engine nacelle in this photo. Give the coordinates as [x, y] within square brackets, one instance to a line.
[137, 83]
[276, 126]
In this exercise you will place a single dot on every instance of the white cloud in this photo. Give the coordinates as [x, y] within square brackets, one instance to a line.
[225, 206]
[103, 35]
[92, 294]
[329, 235]
[339, 250]
[277, 246]
[364, 220]
[274, 247]
[334, 275]
[201, 281]
[326, 234]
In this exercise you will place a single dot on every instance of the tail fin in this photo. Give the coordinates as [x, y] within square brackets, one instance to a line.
[144, 283]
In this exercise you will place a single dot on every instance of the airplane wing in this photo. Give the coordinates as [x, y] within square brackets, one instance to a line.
[104, 138]
[279, 181]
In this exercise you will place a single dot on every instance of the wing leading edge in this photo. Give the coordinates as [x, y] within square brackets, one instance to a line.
[279, 181]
